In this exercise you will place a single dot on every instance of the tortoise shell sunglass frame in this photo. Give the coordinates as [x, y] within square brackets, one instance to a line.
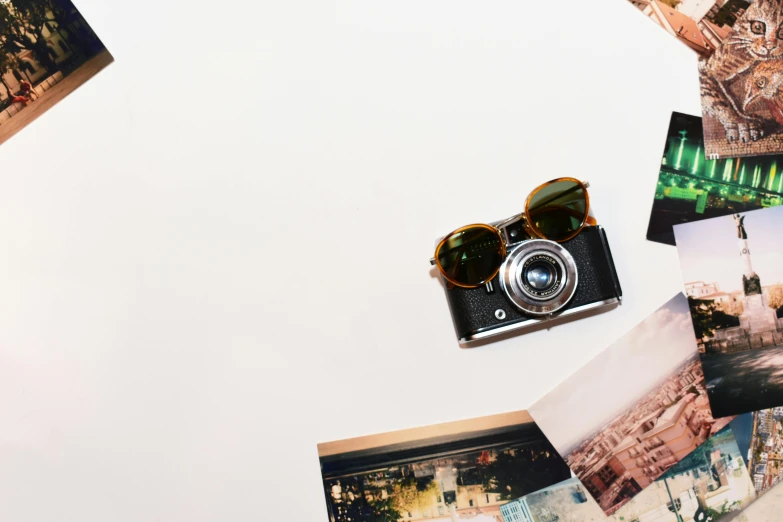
[557, 211]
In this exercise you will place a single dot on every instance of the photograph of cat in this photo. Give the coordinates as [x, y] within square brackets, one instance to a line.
[742, 109]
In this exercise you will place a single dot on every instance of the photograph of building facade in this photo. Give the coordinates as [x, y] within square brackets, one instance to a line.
[460, 471]
[47, 50]
[711, 483]
[702, 25]
[733, 268]
[692, 188]
[617, 444]
[566, 501]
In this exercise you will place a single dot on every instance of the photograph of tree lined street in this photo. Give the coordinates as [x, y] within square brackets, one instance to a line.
[47, 50]
[466, 475]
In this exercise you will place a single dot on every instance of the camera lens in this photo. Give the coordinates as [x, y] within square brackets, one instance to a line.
[540, 275]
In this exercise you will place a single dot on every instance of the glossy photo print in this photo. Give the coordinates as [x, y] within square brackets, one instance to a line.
[699, 24]
[691, 187]
[711, 483]
[766, 509]
[466, 470]
[740, 86]
[764, 435]
[634, 411]
[732, 267]
[566, 501]
[48, 50]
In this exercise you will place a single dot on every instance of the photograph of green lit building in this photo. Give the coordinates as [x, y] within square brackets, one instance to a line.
[691, 187]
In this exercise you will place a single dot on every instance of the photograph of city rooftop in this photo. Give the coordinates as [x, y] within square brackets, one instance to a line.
[733, 272]
[634, 411]
[466, 470]
[692, 188]
[47, 50]
[702, 25]
[711, 483]
[764, 432]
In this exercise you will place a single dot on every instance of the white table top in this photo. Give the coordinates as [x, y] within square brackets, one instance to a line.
[216, 252]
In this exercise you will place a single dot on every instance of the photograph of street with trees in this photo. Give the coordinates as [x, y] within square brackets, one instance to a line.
[458, 471]
[47, 50]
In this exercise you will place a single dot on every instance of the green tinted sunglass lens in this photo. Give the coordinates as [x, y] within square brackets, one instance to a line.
[557, 210]
[471, 256]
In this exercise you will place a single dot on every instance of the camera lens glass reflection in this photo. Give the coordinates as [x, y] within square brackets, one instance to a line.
[540, 275]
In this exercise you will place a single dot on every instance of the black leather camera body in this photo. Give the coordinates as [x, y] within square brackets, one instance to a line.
[587, 282]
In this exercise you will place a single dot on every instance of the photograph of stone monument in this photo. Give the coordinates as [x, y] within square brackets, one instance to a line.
[732, 267]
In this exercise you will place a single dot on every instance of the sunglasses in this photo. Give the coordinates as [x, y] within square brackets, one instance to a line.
[471, 256]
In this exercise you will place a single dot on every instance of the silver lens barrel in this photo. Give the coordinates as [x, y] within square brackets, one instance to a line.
[539, 276]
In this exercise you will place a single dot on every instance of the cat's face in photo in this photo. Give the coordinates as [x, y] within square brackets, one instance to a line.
[763, 87]
[761, 30]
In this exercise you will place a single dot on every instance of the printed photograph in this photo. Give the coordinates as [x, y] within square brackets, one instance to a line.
[765, 509]
[740, 82]
[691, 187]
[466, 470]
[742, 427]
[634, 411]
[733, 272]
[702, 25]
[47, 50]
[711, 484]
[764, 432]
[567, 501]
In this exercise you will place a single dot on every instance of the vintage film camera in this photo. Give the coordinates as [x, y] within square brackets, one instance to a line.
[540, 281]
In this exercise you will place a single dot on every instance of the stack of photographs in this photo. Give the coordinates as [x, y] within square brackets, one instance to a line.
[723, 214]
[629, 437]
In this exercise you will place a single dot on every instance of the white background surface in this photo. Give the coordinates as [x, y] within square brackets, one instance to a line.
[215, 253]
